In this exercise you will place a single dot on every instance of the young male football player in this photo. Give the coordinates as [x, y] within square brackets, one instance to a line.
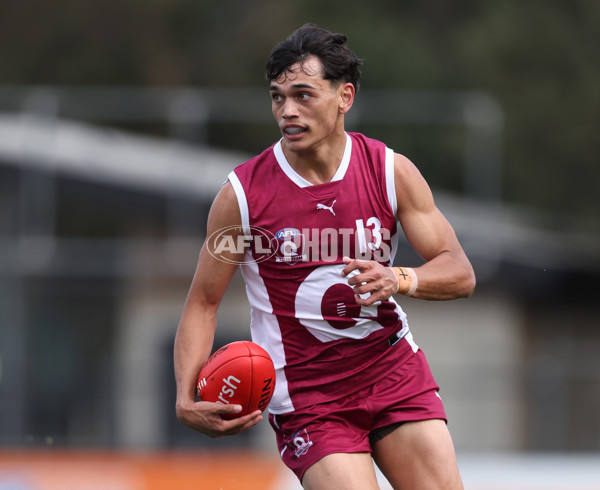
[352, 384]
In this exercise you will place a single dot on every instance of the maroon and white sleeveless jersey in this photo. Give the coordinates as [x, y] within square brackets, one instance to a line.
[324, 345]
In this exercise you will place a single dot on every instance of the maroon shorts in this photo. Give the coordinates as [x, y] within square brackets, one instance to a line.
[351, 424]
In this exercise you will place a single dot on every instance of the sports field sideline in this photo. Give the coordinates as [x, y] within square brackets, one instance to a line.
[118, 470]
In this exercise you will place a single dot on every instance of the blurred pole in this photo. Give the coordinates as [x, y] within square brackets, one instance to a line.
[12, 353]
[31, 245]
[478, 112]
[483, 148]
[187, 117]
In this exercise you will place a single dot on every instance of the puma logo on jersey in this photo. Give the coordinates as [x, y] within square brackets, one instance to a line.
[330, 208]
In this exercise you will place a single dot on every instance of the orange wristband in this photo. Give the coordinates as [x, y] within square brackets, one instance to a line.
[406, 274]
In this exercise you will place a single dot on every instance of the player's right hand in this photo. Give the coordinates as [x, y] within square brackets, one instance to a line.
[206, 417]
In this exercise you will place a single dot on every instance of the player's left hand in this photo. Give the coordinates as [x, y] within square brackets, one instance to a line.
[206, 417]
[373, 278]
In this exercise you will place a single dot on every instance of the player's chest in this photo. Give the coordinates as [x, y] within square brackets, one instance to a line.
[327, 227]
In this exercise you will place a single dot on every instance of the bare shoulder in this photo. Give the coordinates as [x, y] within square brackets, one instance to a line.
[412, 190]
[225, 210]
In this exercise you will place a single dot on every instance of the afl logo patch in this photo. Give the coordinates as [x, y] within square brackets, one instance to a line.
[287, 233]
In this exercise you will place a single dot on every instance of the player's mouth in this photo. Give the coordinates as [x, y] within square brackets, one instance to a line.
[294, 130]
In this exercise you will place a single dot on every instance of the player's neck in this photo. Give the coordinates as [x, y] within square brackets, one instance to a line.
[319, 163]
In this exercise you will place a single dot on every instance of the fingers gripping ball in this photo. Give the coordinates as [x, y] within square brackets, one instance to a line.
[240, 373]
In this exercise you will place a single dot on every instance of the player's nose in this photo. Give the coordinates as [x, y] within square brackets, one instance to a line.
[289, 109]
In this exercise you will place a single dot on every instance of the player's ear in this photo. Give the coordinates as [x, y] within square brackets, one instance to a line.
[346, 92]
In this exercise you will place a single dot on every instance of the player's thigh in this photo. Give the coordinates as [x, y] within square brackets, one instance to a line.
[419, 456]
[342, 471]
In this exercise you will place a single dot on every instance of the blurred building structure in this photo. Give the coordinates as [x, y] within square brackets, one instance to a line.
[99, 233]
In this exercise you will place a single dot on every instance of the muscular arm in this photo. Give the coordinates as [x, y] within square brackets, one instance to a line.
[195, 334]
[446, 273]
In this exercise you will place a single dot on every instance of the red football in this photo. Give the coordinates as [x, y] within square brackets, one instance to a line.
[240, 373]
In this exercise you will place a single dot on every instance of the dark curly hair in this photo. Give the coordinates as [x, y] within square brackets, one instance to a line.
[339, 63]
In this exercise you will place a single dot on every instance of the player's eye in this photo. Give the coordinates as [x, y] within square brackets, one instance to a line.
[276, 97]
[304, 96]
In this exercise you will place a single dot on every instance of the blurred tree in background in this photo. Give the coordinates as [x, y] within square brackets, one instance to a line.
[535, 57]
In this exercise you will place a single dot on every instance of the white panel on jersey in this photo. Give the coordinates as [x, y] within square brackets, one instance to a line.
[255, 287]
[242, 202]
[390, 185]
[301, 181]
[266, 333]
[390, 182]
[409, 338]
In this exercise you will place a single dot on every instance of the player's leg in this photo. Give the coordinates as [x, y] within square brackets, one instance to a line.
[419, 456]
[342, 471]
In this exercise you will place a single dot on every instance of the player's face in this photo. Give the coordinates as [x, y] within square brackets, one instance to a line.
[308, 108]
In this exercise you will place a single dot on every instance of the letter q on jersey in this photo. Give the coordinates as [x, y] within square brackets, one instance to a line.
[242, 245]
